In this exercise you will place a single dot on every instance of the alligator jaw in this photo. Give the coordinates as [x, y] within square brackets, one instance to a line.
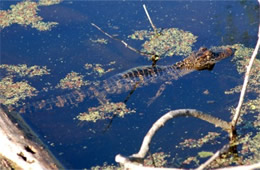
[224, 53]
[206, 59]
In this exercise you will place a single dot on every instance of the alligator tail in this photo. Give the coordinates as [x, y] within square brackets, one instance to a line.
[69, 99]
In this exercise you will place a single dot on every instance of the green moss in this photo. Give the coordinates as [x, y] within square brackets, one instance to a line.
[11, 92]
[99, 69]
[250, 152]
[23, 70]
[72, 80]
[197, 143]
[105, 111]
[169, 42]
[158, 159]
[99, 40]
[48, 2]
[25, 13]
[204, 154]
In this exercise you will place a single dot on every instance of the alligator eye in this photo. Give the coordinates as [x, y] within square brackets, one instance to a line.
[202, 49]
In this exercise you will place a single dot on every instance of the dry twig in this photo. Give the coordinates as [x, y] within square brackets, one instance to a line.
[122, 41]
[243, 91]
[213, 157]
[148, 16]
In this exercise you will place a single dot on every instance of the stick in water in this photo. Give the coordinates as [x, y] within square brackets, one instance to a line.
[123, 42]
[148, 16]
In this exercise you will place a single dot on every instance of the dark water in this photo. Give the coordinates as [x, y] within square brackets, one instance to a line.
[67, 48]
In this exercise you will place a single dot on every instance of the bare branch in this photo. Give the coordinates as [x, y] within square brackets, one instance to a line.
[148, 16]
[243, 167]
[133, 166]
[135, 160]
[170, 115]
[243, 91]
[213, 157]
[128, 164]
[122, 41]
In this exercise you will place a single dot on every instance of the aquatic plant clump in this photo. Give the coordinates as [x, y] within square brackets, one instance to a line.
[99, 69]
[48, 2]
[193, 143]
[99, 40]
[158, 158]
[11, 92]
[24, 13]
[105, 166]
[23, 70]
[167, 42]
[251, 148]
[241, 58]
[72, 80]
[250, 152]
[104, 112]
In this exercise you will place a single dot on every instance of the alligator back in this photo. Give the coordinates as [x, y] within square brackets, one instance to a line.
[203, 59]
[131, 79]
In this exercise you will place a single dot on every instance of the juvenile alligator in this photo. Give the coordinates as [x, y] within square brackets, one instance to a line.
[203, 59]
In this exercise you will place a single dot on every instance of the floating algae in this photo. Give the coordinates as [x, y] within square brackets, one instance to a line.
[48, 2]
[11, 92]
[99, 40]
[250, 149]
[241, 58]
[158, 158]
[197, 143]
[105, 111]
[23, 70]
[250, 142]
[72, 80]
[25, 13]
[99, 69]
[168, 42]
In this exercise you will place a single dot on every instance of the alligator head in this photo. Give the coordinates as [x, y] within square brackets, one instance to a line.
[205, 59]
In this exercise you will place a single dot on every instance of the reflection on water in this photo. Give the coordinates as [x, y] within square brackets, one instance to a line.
[78, 55]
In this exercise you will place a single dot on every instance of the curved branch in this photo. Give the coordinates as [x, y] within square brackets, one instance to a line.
[150, 20]
[177, 113]
[168, 116]
[213, 157]
[243, 91]
[128, 164]
[242, 167]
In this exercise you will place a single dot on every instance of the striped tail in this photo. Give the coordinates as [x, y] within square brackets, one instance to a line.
[72, 98]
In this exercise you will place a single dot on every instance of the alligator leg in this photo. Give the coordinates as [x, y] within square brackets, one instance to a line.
[158, 93]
